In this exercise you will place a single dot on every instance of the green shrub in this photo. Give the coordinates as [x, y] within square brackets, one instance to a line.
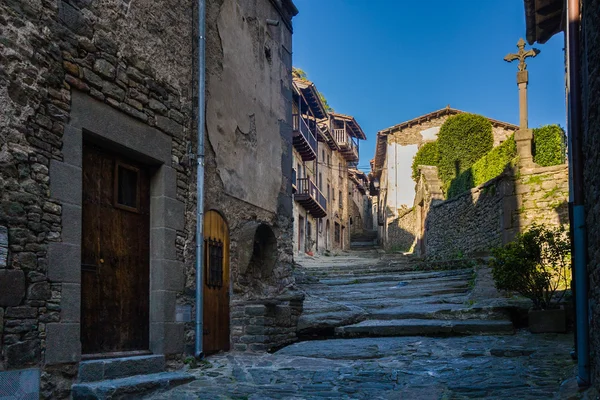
[487, 167]
[426, 155]
[548, 145]
[535, 265]
[463, 139]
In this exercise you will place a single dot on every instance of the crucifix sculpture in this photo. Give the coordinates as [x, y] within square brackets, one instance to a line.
[524, 135]
[522, 78]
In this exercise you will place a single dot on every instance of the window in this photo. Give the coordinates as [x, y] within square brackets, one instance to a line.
[337, 232]
[323, 155]
[329, 160]
[341, 201]
[320, 182]
[340, 168]
[126, 187]
[214, 262]
[328, 194]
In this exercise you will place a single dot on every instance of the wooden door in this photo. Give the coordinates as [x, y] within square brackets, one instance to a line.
[216, 283]
[114, 253]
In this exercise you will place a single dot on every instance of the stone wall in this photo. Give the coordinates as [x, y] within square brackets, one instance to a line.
[402, 230]
[590, 86]
[120, 55]
[494, 212]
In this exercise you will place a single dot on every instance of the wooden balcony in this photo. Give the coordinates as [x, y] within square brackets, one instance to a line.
[348, 148]
[303, 138]
[310, 197]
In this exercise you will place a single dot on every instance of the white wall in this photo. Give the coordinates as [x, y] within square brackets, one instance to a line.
[401, 187]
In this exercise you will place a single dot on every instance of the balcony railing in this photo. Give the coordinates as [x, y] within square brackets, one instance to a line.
[301, 128]
[309, 194]
[346, 144]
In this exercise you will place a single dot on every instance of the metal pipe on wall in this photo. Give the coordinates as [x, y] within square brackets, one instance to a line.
[198, 350]
[576, 166]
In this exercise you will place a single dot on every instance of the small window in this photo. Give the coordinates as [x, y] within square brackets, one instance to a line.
[214, 265]
[127, 194]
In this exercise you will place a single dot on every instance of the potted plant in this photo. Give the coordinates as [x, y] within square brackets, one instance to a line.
[537, 265]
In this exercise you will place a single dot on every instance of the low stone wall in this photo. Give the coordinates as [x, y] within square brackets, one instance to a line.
[401, 231]
[259, 325]
[493, 213]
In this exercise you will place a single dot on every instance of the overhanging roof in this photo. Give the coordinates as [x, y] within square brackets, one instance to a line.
[381, 144]
[543, 19]
[354, 128]
[311, 94]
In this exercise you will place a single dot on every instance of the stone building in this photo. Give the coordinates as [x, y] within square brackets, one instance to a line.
[580, 21]
[359, 202]
[325, 144]
[98, 180]
[392, 166]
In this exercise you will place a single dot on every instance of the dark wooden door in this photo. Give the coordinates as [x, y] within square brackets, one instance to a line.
[216, 283]
[114, 253]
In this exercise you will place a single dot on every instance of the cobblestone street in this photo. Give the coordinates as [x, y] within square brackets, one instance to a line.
[422, 335]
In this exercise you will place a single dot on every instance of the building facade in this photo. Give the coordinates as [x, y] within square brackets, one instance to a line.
[392, 166]
[98, 182]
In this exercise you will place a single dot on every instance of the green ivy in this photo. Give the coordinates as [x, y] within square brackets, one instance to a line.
[488, 167]
[426, 155]
[463, 139]
[548, 145]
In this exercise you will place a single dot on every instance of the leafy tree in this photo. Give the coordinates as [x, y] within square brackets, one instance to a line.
[300, 74]
[463, 139]
[427, 154]
[549, 145]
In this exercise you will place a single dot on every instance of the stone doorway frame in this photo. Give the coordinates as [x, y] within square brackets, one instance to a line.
[101, 124]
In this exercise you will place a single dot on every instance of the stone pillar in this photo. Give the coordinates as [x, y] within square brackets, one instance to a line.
[524, 138]
[522, 79]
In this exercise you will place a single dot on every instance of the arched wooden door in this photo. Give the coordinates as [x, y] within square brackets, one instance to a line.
[216, 283]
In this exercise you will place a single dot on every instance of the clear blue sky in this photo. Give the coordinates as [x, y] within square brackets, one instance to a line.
[388, 61]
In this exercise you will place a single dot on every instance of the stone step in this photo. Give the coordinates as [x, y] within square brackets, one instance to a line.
[440, 312]
[425, 327]
[114, 368]
[129, 387]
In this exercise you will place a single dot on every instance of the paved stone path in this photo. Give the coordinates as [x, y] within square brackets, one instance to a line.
[356, 294]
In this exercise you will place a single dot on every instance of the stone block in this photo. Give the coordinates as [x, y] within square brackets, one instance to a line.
[166, 275]
[63, 343]
[70, 302]
[164, 182]
[167, 212]
[72, 146]
[21, 312]
[65, 182]
[166, 337]
[12, 283]
[21, 354]
[255, 310]
[39, 291]
[64, 262]
[240, 347]
[162, 306]
[130, 366]
[258, 347]
[71, 224]
[169, 126]
[255, 330]
[162, 244]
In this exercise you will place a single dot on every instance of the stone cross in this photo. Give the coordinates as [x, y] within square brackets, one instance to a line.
[522, 78]
[523, 136]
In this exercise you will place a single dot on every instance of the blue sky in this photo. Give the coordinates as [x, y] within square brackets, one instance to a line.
[388, 61]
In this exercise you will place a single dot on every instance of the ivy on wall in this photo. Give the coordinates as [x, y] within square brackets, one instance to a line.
[427, 154]
[463, 139]
[548, 145]
[486, 168]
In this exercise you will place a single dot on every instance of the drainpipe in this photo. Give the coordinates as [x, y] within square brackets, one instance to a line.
[199, 353]
[578, 221]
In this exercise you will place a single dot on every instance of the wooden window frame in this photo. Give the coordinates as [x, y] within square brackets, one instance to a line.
[116, 203]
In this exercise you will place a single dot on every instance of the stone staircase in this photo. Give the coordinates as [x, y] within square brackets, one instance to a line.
[124, 378]
[363, 240]
[357, 297]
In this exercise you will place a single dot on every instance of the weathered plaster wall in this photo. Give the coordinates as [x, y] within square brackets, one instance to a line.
[249, 157]
[590, 86]
[494, 212]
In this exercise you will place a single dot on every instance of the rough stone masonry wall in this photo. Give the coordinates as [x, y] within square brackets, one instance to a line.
[494, 212]
[590, 85]
[110, 50]
[401, 230]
